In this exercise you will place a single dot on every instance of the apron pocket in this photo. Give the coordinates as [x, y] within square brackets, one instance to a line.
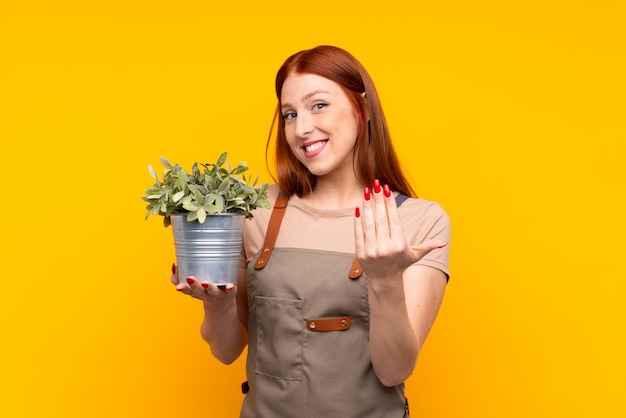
[280, 338]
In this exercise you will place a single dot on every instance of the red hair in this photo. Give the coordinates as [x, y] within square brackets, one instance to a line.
[375, 157]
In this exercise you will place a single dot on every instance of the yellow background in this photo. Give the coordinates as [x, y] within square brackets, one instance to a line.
[510, 114]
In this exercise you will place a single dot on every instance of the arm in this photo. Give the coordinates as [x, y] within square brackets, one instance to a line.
[404, 298]
[224, 326]
[401, 315]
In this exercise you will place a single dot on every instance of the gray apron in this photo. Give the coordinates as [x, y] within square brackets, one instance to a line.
[308, 333]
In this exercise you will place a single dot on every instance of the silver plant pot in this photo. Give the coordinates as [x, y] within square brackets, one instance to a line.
[208, 251]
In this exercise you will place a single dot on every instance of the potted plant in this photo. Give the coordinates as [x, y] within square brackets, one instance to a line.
[206, 208]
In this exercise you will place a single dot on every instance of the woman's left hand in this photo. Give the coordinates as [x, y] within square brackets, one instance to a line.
[381, 246]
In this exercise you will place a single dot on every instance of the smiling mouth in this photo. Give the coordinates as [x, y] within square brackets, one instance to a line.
[315, 146]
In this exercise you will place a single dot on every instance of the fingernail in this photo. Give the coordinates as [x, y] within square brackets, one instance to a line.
[178, 289]
[376, 186]
[367, 194]
[173, 268]
[205, 285]
[190, 280]
[357, 212]
[386, 190]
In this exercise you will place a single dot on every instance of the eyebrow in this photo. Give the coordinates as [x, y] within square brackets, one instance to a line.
[306, 97]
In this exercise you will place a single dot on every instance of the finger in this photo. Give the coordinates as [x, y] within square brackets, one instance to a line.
[427, 246]
[183, 288]
[393, 217]
[174, 277]
[380, 212]
[213, 289]
[368, 222]
[197, 289]
[359, 241]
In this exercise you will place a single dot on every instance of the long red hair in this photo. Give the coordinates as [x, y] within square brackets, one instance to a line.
[375, 157]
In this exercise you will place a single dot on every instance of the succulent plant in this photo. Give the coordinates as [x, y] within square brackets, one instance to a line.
[211, 190]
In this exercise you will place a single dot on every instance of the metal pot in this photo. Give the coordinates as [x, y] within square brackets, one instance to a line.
[208, 251]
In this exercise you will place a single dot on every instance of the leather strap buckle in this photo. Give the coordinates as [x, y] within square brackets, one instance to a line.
[340, 323]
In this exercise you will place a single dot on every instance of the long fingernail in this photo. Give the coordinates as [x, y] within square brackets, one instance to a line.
[376, 186]
[173, 268]
[190, 280]
[357, 212]
[366, 194]
[386, 190]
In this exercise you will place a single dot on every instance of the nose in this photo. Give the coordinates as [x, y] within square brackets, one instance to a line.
[304, 125]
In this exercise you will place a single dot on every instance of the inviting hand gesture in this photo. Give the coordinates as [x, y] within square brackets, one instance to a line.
[381, 246]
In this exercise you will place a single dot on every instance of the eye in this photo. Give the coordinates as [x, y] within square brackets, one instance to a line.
[289, 115]
[319, 106]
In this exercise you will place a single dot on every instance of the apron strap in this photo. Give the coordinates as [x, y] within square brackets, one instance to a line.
[272, 230]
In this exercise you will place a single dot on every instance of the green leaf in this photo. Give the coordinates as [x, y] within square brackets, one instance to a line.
[210, 198]
[241, 168]
[219, 203]
[201, 215]
[153, 173]
[182, 180]
[177, 196]
[221, 160]
[212, 209]
[223, 186]
[165, 163]
[191, 206]
[198, 197]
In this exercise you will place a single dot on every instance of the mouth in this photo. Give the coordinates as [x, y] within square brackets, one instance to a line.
[313, 147]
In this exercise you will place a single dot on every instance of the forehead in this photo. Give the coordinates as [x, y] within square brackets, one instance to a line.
[298, 87]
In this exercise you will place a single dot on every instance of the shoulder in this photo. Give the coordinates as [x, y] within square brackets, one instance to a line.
[423, 219]
[272, 193]
[425, 210]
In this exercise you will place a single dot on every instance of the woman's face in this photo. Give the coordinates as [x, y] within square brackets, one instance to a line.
[320, 124]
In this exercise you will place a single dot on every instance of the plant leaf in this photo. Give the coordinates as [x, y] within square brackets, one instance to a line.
[241, 168]
[177, 196]
[191, 206]
[201, 215]
[153, 173]
[165, 162]
[223, 186]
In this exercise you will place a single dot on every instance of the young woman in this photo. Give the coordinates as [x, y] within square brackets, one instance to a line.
[341, 282]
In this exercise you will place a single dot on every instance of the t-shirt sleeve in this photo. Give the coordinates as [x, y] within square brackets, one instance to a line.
[436, 225]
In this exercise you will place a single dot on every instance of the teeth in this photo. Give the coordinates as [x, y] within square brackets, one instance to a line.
[313, 147]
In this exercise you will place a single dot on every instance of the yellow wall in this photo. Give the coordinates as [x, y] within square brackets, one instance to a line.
[511, 114]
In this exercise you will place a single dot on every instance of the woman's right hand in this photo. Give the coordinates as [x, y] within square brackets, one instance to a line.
[205, 291]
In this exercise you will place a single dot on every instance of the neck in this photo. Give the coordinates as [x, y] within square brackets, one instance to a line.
[335, 194]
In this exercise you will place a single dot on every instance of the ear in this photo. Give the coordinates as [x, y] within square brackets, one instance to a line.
[364, 95]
